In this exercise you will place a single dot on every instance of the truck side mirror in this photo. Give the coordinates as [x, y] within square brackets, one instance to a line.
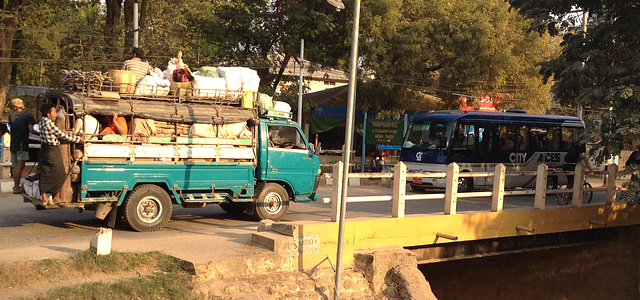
[317, 151]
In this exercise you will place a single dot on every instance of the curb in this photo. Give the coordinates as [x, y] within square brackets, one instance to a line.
[6, 185]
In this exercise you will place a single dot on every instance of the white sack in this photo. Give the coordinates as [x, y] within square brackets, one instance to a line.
[88, 124]
[281, 106]
[233, 76]
[31, 188]
[203, 86]
[148, 86]
[250, 79]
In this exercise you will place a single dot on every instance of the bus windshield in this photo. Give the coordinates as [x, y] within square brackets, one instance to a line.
[428, 135]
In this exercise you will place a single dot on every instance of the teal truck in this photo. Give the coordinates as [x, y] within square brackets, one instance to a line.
[180, 151]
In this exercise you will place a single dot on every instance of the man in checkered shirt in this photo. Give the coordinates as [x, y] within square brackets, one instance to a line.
[52, 170]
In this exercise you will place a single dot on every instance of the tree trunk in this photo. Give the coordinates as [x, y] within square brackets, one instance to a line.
[112, 28]
[9, 22]
[283, 66]
[128, 25]
[142, 8]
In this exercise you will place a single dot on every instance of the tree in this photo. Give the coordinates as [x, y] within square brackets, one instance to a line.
[9, 15]
[263, 30]
[598, 69]
[445, 47]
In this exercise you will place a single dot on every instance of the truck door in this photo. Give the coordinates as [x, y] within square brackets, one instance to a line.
[290, 161]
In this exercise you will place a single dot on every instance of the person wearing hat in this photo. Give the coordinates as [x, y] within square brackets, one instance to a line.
[20, 124]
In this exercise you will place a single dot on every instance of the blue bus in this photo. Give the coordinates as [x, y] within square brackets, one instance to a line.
[477, 141]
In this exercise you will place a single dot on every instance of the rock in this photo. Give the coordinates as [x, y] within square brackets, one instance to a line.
[265, 225]
[410, 283]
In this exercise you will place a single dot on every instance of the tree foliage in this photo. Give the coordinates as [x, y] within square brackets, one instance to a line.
[412, 48]
[597, 69]
[446, 47]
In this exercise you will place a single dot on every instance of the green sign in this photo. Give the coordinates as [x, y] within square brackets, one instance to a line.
[384, 132]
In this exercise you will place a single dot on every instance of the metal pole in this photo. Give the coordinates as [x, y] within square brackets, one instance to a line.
[135, 24]
[404, 127]
[364, 145]
[585, 18]
[301, 83]
[347, 140]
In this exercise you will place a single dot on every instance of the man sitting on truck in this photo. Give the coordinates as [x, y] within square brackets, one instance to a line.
[136, 64]
[115, 125]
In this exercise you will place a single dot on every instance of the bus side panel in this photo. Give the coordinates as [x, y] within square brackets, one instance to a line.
[109, 176]
[423, 156]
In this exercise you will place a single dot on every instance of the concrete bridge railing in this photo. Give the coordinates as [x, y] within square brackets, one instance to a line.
[451, 194]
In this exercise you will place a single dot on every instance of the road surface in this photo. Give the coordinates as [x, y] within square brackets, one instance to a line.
[193, 234]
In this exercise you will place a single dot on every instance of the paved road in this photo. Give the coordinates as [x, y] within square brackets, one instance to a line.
[195, 234]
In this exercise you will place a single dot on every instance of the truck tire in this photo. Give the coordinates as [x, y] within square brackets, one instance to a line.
[147, 208]
[272, 203]
[233, 208]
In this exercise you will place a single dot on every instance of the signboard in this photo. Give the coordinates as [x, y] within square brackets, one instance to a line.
[384, 132]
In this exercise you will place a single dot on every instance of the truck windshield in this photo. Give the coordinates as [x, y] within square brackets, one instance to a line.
[285, 137]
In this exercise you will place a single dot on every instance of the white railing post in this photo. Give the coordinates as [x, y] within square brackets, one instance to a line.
[612, 183]
[541, 186]
[399, 189]
[499, 176]
[451, 193]
[336, 191]
[578, 182]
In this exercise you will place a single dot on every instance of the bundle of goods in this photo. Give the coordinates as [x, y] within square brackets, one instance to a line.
[76, 80]
[169, 129]
[153, 85]
[265, 103]
[208, 87]
[240, 78]
[211, 82]
[226, 131]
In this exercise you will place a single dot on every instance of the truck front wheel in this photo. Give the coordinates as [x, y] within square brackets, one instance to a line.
[272, 203]
[147, 208]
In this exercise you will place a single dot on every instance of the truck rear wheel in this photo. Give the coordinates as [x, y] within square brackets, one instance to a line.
[147, 208]
[272, 203]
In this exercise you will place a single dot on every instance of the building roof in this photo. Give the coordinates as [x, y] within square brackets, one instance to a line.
[293, 69]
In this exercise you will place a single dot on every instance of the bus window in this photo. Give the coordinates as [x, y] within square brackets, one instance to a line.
[538, 139]
[553, 138]
[513, 137]
[569, 137]
[464, 137]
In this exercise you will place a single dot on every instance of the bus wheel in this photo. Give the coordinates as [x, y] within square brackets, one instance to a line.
[465, 184]
[272, 203]
[552, 183]
[147, 208]
[417, 188]
[233, 207]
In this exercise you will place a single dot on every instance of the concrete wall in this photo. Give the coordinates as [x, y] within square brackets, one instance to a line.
[603, 270]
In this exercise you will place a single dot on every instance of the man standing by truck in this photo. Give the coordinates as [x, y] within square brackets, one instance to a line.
[53, 173]
[20, 123]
